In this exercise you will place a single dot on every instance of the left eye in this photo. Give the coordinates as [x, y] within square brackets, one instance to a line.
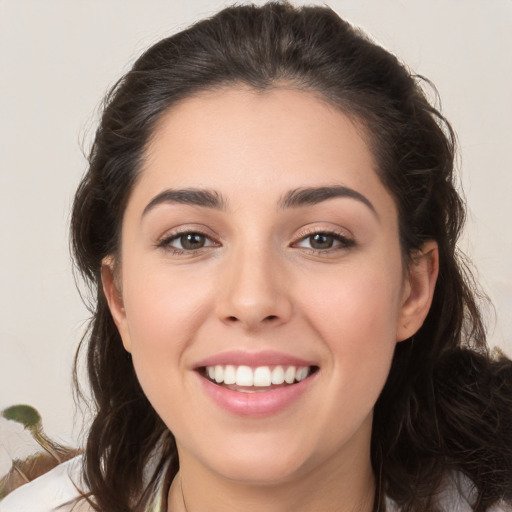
[324, 241]
[187, 241]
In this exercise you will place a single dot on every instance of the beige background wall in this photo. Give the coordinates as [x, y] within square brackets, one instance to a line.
[57, 59]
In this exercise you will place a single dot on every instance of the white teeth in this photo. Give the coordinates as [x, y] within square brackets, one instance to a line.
[278, 375]
[219, 374]
[289, 375]
[229, 374]
[301, 374]
[244, 376]
[262, 376]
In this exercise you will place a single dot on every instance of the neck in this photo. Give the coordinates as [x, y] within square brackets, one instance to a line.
[332, 487]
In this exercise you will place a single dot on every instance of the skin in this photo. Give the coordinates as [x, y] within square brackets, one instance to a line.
[258, 284]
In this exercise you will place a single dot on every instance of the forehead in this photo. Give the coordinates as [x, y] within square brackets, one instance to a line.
[239, 139]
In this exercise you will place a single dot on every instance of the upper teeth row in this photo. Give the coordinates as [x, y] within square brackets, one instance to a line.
[260, 376]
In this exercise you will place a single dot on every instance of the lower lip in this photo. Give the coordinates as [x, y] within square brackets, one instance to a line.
[259, 403]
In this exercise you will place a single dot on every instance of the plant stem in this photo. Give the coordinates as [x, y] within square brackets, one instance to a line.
[19, 471]
[47, 445]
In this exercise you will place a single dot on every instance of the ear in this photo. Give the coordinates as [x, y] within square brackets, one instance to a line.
[113, 294]
[419, 285]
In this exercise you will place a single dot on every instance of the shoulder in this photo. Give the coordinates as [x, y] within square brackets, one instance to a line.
[459, 491]
[455, 495]
[454, 503]
[53, 491]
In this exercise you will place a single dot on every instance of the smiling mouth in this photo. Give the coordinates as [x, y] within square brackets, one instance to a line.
[259, 379]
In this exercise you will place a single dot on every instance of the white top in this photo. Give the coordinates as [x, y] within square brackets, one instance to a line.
[58, 490]
[49, 491]
[55, 491]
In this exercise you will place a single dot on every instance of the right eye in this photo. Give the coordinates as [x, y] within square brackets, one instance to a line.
[186, 242]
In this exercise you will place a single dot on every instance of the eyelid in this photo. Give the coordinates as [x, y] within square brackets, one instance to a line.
[164, 241]
[346, 240]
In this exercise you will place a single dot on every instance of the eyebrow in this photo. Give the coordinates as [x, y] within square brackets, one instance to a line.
[314, 195]
[193, 196]
[293, 199]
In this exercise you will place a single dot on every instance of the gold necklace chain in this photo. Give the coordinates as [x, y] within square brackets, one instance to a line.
[182, 495]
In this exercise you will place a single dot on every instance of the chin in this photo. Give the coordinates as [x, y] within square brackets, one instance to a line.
[263, 460]
[259, 471]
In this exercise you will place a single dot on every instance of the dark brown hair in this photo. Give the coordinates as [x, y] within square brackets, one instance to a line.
[447, 405]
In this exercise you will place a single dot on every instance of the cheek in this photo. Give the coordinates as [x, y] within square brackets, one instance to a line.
[163, 314]
[364, 303]
[162, 305]
[356, 315]
[162, 317]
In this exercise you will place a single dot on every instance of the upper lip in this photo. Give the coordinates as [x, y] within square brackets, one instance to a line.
[253, 359]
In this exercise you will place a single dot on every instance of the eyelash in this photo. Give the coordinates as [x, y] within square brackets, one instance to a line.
[166, 242]
[344, 242]
[340, 242]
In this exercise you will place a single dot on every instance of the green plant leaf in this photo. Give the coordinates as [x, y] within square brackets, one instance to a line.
[24, 414]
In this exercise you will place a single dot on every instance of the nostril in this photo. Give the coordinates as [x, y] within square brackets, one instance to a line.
[232, 318]
[270, 318]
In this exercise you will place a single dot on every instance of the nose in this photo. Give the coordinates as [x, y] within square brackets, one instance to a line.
[253, 291]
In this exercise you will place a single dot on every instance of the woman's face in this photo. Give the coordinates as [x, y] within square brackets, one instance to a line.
[261, 291]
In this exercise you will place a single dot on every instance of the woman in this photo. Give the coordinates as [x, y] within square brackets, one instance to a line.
[283, 321]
